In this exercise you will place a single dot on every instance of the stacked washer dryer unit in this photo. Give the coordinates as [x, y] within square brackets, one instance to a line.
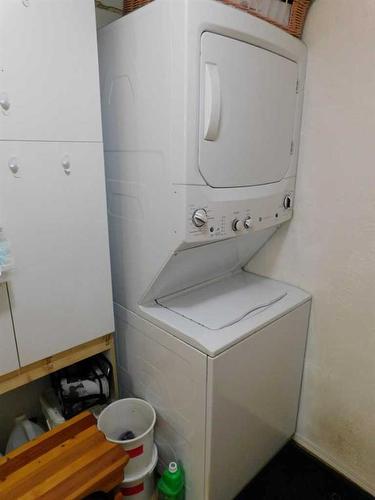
[201, 108]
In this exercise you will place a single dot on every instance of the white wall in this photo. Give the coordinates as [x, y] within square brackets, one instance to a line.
[329, 247]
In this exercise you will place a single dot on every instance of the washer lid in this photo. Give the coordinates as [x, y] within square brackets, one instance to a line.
[226, 301]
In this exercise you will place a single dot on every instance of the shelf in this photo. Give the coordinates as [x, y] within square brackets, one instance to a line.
[71, 461]
[46, 366]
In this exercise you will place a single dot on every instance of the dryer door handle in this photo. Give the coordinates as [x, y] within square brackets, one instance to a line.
[212, 102]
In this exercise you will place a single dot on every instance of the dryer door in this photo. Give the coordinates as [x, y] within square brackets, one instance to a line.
[248, 107]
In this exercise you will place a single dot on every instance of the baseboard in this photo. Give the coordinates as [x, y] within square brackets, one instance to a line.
[331, 462]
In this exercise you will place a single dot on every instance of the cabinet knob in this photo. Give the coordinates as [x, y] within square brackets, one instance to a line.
[4, 102]
[13, 165]
[66, 164]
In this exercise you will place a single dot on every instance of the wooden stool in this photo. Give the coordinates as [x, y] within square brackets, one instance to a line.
[68, 462]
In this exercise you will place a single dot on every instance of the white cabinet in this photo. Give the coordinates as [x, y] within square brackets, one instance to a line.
[56, 222]
[52, 188]
[8, 351]
[248, 112]
[49, 80]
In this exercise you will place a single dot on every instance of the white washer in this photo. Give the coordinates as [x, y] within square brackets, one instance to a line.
[201, 108]
[226, 398]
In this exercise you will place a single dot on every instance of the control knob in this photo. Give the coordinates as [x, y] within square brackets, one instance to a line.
[288, 201]
[248, 223]
[237, 225]
[199, 217]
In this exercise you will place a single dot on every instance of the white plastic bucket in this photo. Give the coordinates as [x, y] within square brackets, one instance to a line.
[141, 486]
[138, 416]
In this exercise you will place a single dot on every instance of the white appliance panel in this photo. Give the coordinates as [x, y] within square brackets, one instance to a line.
[171, 375]
[8, 351]
[49, 71]
[252, 402]
[248, 111]
[262, 206]
[55, 220]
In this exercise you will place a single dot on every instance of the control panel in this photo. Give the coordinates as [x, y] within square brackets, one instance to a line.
[210, 219]
[216, 223]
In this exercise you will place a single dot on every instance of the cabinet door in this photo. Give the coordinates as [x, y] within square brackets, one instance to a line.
[8, 351]
[56, 221]
[248, 109]
[49, 81]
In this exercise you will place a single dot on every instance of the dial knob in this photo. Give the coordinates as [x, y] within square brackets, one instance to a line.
[199, 217]
[248, 223]
[288, 201]
[237, 225]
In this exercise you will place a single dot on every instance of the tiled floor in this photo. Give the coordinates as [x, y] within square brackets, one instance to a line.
[295, 475]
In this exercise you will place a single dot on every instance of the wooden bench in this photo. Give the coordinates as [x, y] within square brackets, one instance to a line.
[68, 462]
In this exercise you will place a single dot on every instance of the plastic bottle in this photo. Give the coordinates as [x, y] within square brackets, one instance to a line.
[171, 485]
[23, 431]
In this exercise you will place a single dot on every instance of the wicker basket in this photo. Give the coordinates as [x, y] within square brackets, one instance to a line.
[297, 17]
[130, 5]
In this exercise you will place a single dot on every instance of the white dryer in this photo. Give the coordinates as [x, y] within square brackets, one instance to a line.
[201, 109]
